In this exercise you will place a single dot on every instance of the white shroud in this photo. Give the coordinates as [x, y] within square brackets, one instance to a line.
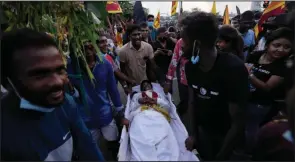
[151, 137]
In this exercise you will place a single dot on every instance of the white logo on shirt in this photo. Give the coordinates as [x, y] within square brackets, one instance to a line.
[214, 93]
[65, 136]
[203, 91]
[194, 86]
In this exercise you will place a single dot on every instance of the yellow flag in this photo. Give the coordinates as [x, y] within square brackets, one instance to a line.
[213, 10]
[226, 16]
[174, 7]
[157, 21]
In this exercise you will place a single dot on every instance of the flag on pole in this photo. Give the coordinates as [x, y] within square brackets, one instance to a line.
[138, 13]
[238, 10]
[213, 10]
[157, 21]
[174, 7]
[274, 8]
[226, 16]
[113, 7]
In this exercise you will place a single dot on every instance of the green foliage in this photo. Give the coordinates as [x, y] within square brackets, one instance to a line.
[127, 7]
[66, 21]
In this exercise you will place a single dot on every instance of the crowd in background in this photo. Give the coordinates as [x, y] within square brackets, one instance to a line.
[232, 87]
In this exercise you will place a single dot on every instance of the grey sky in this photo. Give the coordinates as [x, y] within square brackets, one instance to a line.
[165, 6]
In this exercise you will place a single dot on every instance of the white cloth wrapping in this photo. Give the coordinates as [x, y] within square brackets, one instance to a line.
[145, 134]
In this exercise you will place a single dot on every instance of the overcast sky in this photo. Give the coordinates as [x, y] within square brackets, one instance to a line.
[165, 7]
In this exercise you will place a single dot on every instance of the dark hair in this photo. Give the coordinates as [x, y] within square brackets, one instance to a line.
[131, 28]
[228, 33]
[201, 26]
[291, 109]
[101, 35]
[237, 17]
[161, 30]
[18, 40]
[171, 29]
[129, 17]
[257, 15]
[247, 16]
[143, 25]
[282, 32]
[150, 16]
[145, 81]
[291, 20]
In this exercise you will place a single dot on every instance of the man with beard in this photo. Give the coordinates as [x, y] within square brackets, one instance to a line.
[246, 23]
[36, 105]
[164, 46]
[134, 56]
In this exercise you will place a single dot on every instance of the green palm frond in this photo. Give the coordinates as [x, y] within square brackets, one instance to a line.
[60, 19]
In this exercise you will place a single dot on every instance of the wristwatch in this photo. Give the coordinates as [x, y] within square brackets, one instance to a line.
[251, 75]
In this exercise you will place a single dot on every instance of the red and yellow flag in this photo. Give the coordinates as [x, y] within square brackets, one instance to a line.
[273, 9]
[226, 16]
[157, 21]
[113, 7]
[174, 7]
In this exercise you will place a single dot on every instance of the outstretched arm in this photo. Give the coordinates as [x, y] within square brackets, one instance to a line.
[113, 89]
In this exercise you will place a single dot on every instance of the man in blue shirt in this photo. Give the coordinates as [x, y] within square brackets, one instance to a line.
[246, 23]
[153, 31]
[39, 121]
[100, 119]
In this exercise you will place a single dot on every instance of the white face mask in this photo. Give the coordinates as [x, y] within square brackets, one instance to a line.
[288, 136]
[25, 104]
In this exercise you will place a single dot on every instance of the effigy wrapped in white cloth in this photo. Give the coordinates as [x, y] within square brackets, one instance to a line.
[151, 136]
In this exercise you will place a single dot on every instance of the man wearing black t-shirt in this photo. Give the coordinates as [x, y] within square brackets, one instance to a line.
[163, 48]
[218, 89]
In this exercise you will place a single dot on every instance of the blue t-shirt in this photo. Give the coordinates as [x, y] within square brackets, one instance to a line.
[249, 39]
[31, 135]
[97, 94]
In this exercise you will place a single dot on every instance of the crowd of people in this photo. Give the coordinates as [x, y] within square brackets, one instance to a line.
[235, 91]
